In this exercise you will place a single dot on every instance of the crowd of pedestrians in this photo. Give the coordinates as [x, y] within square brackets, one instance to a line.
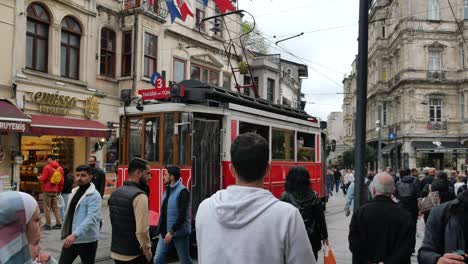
[243, 222]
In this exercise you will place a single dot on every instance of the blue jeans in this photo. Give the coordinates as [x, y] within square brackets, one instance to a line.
[330, 187]
[182, 246]
[337, 185]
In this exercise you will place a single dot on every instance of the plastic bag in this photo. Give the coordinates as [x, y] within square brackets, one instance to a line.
[60, 201]
[329, 258]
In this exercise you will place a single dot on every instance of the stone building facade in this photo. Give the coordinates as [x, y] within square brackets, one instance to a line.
[417, 84]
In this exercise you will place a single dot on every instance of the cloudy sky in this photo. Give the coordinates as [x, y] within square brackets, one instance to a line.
[328, 46]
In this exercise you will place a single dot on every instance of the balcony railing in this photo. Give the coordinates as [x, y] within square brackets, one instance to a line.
[155, 9]
[437, 75]
[437, 125]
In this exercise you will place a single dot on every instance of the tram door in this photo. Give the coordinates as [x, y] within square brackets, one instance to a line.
[205, 160]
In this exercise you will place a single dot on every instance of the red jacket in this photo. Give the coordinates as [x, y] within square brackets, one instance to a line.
[47, 172]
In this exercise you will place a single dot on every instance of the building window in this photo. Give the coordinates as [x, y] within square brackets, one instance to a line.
[465, 9]
[383, 32]
[384, 73]
[462, 105]
[200, 15]
[227, 81]
[435, 61]
[151, 42]
[270, 90]
[462, 57]
[247, 81]
[218, 25]
[70, 48]
[127, 53]
[204, 74]
[384, 114]
[107, 63]
[435, 110]
[37, 38]
[179, 70]
[433, 9]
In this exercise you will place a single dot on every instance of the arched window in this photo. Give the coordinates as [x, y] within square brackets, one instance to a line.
[37, 37]
[107, 62]
[70, 48]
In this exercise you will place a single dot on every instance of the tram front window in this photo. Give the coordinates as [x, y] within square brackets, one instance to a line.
[282, 145]
[305, 147]
[152, 139]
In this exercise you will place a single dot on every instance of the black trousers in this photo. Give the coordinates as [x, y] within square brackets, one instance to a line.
[86, 251]
[139, 260]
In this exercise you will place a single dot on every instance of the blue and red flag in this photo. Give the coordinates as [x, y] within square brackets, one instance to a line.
[184, 9]
[172, 8]
[205, 2]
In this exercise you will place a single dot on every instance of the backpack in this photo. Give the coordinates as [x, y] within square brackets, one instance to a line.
[307, 212]
[56, 177]
[461, 189]
[406, 190]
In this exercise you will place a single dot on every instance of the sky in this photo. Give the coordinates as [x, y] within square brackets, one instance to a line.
[329, 51]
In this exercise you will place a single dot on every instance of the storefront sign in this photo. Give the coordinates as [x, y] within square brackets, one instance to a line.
[160, 91]
[92, 108]
[54, 103]
[12, 126]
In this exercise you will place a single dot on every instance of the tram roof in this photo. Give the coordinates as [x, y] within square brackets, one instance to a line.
[197, 92]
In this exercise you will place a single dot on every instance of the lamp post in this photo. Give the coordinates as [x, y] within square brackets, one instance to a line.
[379, 142]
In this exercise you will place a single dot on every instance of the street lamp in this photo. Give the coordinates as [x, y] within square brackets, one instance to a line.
[379, 143]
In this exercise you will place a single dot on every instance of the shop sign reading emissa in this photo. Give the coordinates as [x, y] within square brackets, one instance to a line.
[160, 90]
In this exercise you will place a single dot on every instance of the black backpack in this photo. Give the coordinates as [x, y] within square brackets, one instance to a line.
[461, 189]
[308, 213]
[406, 191]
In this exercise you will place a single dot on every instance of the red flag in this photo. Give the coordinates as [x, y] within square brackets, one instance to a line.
[184, 9]
[224, 5]
[151, 2]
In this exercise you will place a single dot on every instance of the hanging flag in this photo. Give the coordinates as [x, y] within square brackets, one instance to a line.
[184, 9]
[224, 5]
[205, 2]
[151, 2]
[173, 10]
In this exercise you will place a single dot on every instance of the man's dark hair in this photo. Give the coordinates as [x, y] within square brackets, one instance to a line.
[297, 180]
[51, 156]
[84, 168]
[405, 172]
[137, 164]
[249, 156]
[174, 171]
[94, 157]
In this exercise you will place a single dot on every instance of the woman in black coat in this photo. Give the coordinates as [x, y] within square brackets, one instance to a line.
[442, 185]
[300, 195]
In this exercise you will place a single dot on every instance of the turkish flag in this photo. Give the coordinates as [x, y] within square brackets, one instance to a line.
[224, 5]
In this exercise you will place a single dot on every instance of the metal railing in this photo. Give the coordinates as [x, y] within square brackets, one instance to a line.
[157, 8]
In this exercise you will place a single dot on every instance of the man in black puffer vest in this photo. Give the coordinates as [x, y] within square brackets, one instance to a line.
[128, 206]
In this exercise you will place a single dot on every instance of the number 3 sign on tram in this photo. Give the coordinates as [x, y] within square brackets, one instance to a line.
[160, 91]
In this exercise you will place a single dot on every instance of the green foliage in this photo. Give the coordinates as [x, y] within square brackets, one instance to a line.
[254, 41]
[348, 156]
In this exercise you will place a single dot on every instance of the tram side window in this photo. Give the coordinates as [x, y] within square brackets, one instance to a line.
[263, 131]
[282, 145]
[152, 139]
[168, 138]
[305, 147]
[135, 138]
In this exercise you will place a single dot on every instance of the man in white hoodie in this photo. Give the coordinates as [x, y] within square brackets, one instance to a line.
[246, 223]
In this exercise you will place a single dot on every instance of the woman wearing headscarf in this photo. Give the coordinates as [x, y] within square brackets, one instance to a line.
[300, 195]
[20, 224]
[442, 185]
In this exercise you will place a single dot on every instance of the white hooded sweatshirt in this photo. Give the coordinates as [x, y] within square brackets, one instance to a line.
[250, 226]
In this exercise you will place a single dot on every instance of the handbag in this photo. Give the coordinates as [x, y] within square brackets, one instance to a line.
[328, 257]
[429, 202]
[60, 201]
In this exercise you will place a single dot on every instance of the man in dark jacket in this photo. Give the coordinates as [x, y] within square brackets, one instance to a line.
[446, 233]
[174, 221]
[128, 207]
[407, 192]
[380, 231]
[429, 178]
[337, 177]
[99, 176]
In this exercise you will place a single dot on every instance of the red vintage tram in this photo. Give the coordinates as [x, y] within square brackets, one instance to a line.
[195, 132]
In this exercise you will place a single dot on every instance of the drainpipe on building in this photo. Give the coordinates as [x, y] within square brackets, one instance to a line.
[135, 52]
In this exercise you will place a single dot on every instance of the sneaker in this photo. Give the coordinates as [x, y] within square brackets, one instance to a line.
[57, 227]
[46, 227]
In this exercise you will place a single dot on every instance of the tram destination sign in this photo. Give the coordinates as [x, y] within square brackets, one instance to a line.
[159, 90]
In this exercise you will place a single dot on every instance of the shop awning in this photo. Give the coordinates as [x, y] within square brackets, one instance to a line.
[12, 119]
[439, 146]
[388, 148]
[61, 126]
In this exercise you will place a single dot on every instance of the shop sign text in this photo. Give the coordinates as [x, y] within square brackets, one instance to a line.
[12, 126]
[54, 103]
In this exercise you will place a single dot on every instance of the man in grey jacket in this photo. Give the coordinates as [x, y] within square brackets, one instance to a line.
[445, 238]
[246, 223]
